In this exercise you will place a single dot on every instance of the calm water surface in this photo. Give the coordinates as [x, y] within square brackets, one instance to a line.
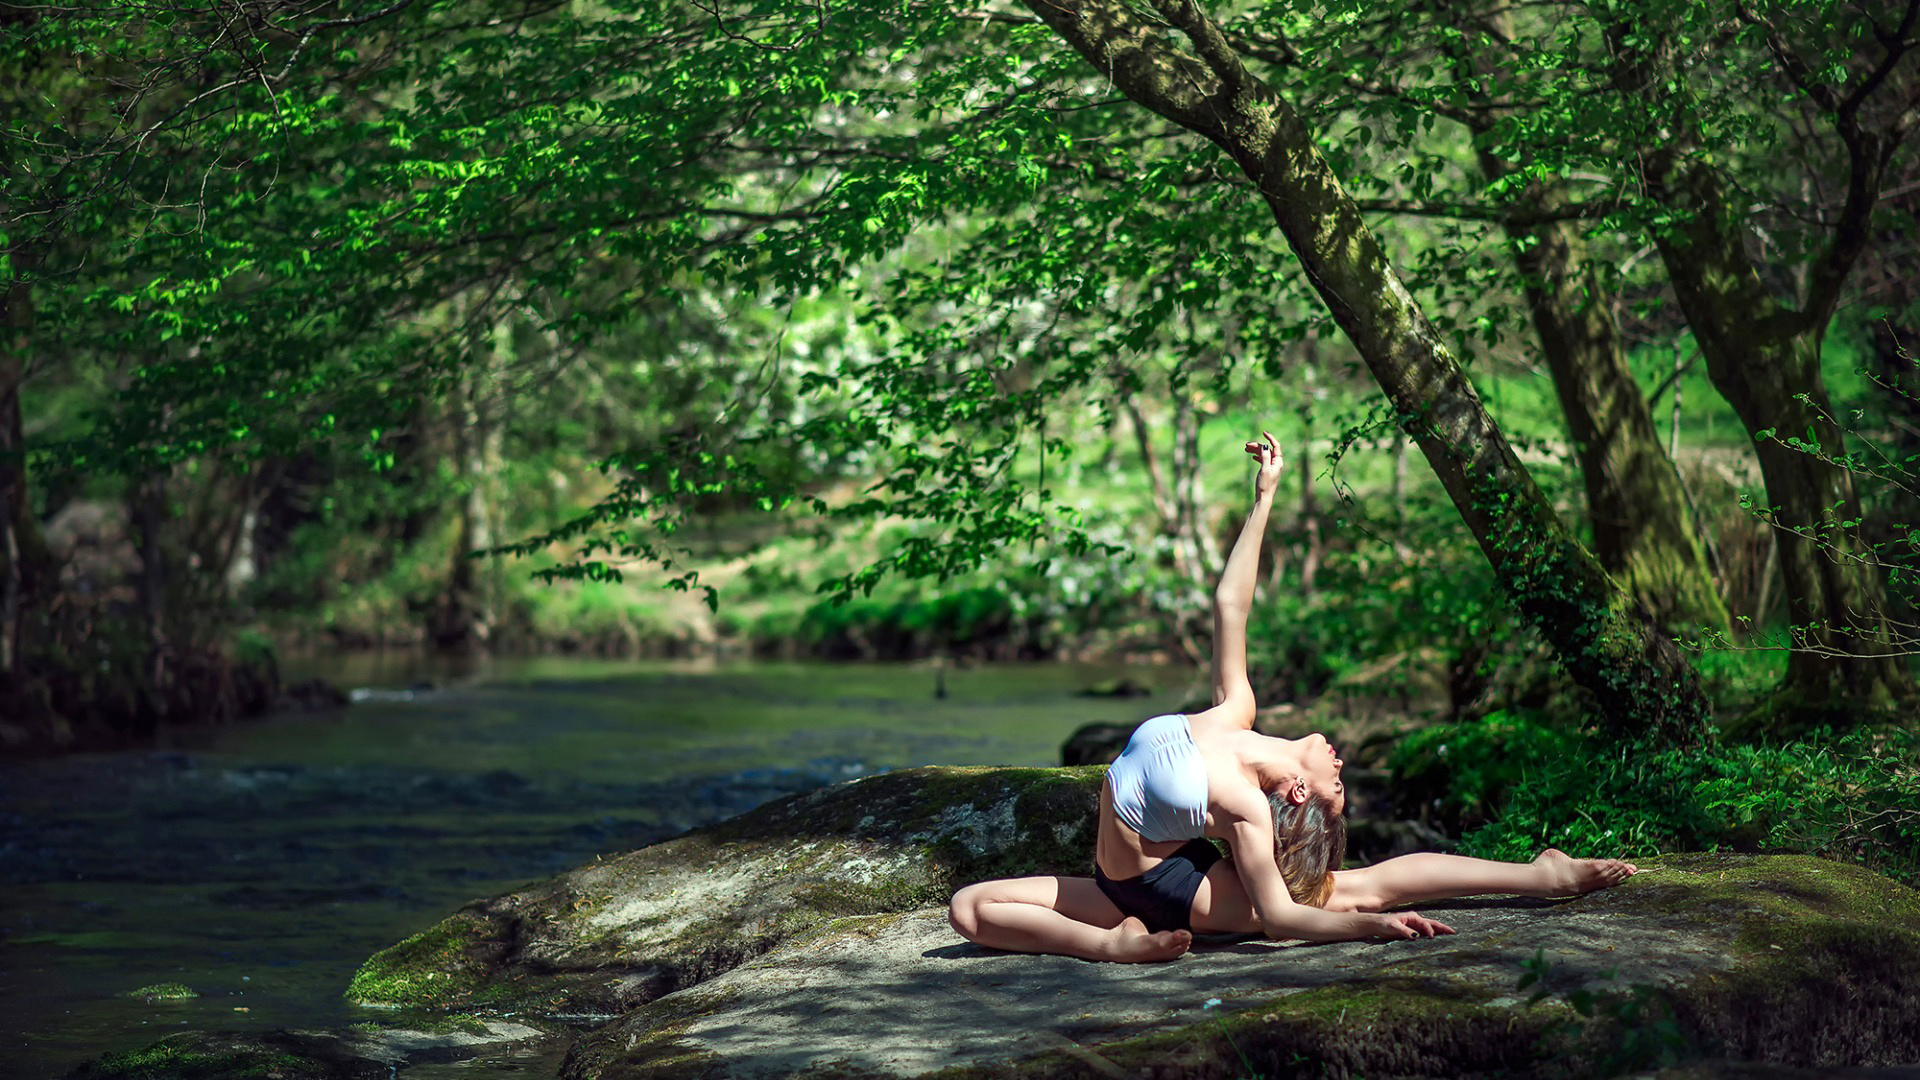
[261, 864]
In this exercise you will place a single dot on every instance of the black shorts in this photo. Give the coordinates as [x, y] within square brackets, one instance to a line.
[1163, 896]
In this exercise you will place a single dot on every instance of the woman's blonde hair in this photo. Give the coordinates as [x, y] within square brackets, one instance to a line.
[1309, 844]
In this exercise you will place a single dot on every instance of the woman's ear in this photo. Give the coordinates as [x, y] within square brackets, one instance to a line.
[1296, 792]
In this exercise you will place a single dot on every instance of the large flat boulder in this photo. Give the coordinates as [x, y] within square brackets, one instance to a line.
[1781, 959]
[623, 931]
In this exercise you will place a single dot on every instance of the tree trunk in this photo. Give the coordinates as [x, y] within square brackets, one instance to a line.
[1642, 530]
[27, 571]
[462, 622]
[1764, 359]
[1311, 544]
[1180, 519]
[1895, 509]
[16, 578]
[146, 507]
[1606, 640]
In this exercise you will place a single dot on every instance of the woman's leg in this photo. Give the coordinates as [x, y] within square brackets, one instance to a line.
[1222, 905]
[1417, 878]
[1068, 916]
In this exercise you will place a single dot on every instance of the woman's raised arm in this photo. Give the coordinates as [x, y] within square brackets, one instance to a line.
[1233, 597]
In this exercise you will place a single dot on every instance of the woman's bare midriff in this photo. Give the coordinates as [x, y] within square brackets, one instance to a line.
[1120, 851]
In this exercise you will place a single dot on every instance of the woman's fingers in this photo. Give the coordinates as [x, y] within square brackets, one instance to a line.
[1409, 925]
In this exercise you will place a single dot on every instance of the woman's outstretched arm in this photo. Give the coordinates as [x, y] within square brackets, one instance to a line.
[1233, 597]
[1273, 912]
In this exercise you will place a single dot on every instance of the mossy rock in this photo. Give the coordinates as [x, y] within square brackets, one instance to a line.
[159, 992]
[1785, 960]
[623, 931]
[366, 1052]
[196, 1055]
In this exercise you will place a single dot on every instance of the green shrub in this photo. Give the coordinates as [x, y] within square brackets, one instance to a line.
[1855, 798]
[1458, 776]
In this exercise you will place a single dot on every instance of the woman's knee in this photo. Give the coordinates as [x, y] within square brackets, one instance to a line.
[1352, 893]
[963, 911]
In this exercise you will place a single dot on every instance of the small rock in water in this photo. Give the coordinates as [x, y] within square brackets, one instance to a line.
[1118, 688]
[313, 695]
[163, 992]
[1095, 744]
[374, 693]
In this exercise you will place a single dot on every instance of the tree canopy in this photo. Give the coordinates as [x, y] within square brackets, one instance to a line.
[885, 261]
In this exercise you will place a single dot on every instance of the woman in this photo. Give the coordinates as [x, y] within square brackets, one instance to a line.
[1276, 802]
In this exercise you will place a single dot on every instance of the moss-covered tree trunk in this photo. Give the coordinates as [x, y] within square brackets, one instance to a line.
[1764, 358]
[1643, 531]
[1606, 640]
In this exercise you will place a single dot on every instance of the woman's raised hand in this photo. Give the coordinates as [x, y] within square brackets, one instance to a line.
[1268, 455]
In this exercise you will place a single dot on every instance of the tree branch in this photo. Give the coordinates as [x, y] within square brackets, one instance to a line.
[1281, 53]
[1897, 45]
[1209, 42]
[1165, 80]
[1513, 216]
[1795, 68]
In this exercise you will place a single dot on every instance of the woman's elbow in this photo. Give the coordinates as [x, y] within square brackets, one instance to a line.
[1227, 599]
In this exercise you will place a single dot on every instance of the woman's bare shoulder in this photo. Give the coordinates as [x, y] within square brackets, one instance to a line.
[1231, 793]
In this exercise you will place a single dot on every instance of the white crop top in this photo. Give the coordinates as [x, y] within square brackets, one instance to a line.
[1159, 782]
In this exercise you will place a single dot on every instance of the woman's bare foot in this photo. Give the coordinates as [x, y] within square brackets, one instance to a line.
[1131, 943]
[1564, 875]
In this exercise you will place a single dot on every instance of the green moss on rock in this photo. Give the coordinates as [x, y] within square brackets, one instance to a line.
[625, 930]
[194, 1055]
[164, 992]
[439, 967]
[1791, 960]
[1391, 1029]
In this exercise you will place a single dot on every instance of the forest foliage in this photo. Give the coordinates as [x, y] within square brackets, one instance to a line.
[922, 327]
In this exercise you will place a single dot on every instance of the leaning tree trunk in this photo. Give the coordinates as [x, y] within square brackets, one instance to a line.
[1765, 360]
[1642, 529]
[1606, 640]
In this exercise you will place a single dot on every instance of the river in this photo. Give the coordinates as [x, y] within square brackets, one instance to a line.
[260, 864]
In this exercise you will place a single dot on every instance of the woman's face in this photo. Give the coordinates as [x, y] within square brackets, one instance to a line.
[1321, 766]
